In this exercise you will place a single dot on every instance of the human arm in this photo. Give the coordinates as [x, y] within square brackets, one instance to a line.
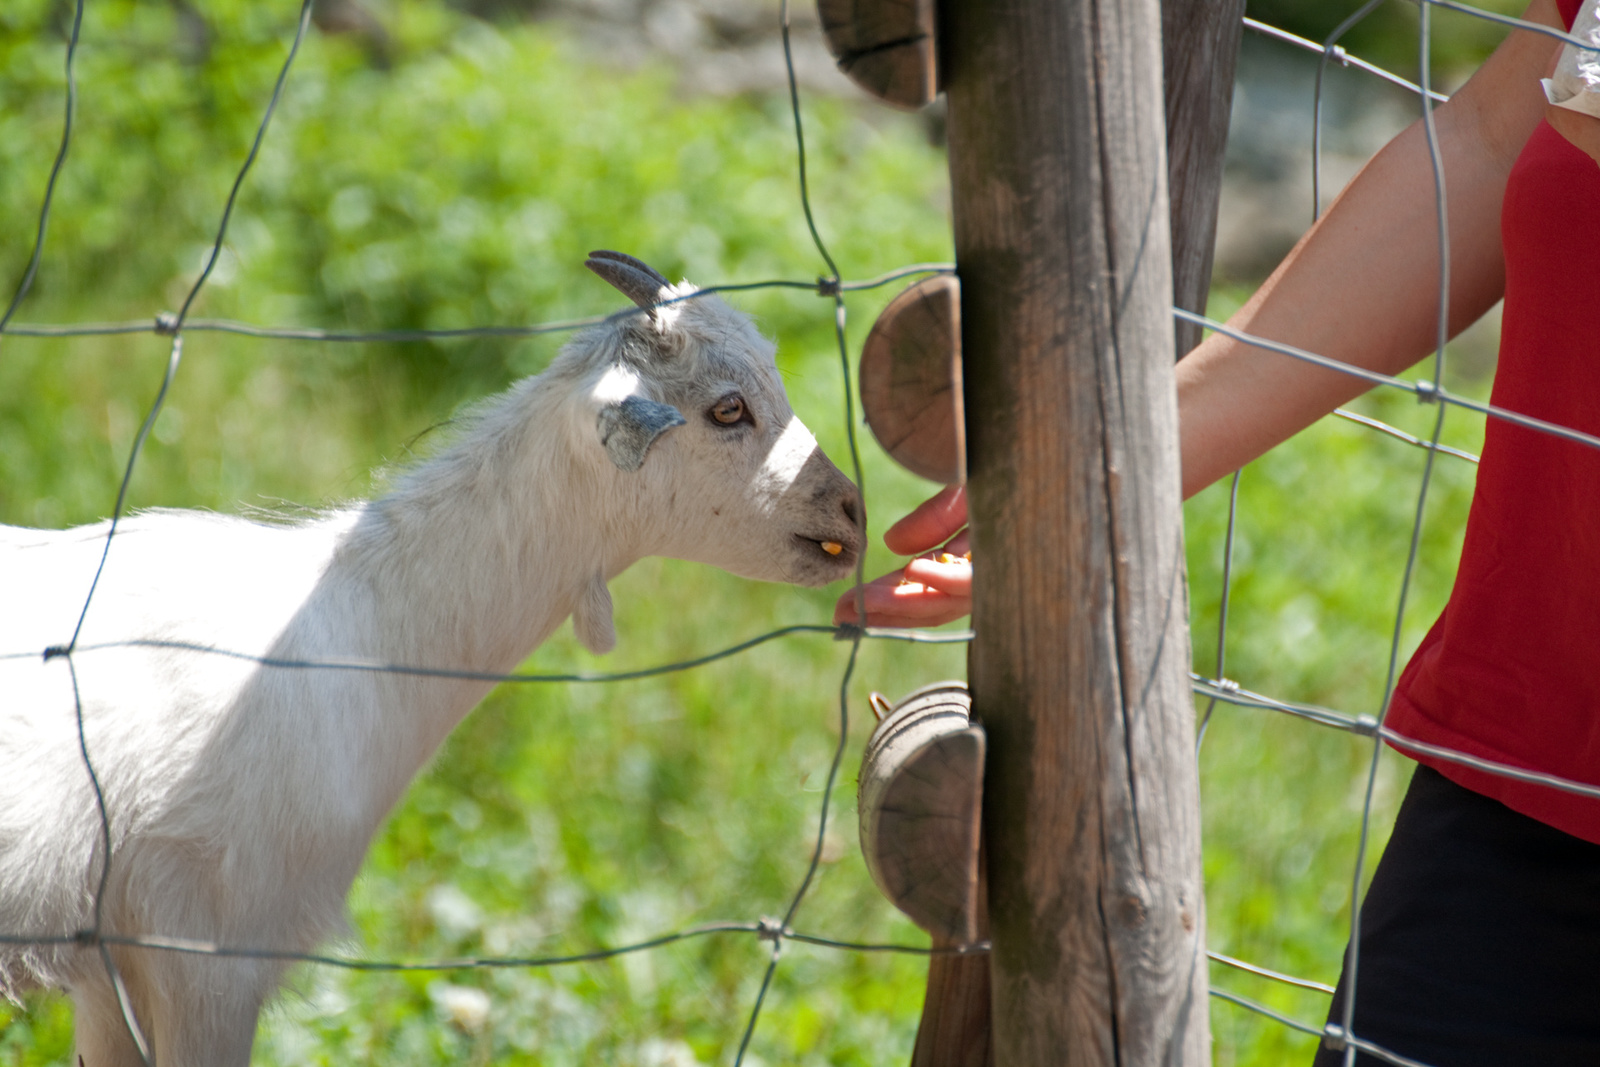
[1360, 287]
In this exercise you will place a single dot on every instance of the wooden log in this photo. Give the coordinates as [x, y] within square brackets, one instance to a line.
[954, 1031]
[911, 381]
[1200, 40]
[919, 799]
[1078, 672]
[885, 46]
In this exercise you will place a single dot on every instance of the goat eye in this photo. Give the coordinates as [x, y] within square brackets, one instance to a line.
[729, 410]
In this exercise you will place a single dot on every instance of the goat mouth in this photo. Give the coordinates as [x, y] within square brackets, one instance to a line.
[839, 551]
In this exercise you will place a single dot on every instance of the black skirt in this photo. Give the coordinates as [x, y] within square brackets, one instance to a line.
[1480, 938]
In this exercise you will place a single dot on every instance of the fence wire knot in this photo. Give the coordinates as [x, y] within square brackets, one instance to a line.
[55, 651]
[86, 938]
[1333, 1037]
[1337, 53]
[166, 324]
[829, 287]
[770, 929]
[1427, 392]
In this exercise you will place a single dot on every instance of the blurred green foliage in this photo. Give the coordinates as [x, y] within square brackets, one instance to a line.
[461, 183]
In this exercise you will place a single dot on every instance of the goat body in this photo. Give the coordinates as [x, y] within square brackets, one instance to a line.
[242, 796]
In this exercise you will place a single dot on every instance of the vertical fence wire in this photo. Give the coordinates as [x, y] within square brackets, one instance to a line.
[1222, 607]
[1441, 219]
[1330, 48]
[55, 170]
[830, 282]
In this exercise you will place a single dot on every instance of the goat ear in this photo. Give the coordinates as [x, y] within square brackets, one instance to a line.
[628, 429]
[591, 618]
[636, 280]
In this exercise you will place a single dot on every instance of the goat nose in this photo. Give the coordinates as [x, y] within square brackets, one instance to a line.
[853, 509]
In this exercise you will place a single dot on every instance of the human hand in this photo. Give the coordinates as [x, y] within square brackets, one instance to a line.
[926, 592]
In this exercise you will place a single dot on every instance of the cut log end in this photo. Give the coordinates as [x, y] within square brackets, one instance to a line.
[911, 380]
[920, 802]
[885, 46]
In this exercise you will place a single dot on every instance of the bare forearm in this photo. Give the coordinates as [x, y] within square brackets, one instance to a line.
[1362, 286]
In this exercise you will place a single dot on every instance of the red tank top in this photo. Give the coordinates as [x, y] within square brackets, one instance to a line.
[1511, 670]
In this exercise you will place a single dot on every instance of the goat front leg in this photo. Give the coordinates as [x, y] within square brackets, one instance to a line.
[100, 1035]
[208, 1014]
[203, 1016]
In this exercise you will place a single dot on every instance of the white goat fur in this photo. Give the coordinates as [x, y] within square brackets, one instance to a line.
[242, 798]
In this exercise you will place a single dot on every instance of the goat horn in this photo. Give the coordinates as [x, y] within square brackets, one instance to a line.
[636, 280]
[637, 264]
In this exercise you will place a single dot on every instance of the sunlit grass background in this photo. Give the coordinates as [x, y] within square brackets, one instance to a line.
[462, 184]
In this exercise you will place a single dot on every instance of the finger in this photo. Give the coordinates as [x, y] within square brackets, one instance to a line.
[922, 608]
[896, 600]
[930, 524]
[953, 579]
[892, 601]
[875, 593]
[919, 606]
[912, 622]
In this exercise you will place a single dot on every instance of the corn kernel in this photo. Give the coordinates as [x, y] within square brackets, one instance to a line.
[832, 548]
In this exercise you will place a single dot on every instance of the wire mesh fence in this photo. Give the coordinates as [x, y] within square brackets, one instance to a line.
[774, 931]
[831, 286]
[1339, 1032]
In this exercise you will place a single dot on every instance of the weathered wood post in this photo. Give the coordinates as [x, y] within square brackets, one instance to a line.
[1200, 42]
[1091, 814]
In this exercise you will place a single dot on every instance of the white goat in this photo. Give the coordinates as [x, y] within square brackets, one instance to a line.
[242, 797]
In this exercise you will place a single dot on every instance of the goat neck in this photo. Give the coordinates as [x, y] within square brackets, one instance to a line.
[479, 553]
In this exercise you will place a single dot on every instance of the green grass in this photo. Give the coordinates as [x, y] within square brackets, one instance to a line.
[464, 186]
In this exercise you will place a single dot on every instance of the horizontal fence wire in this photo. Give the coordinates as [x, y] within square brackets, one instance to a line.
[1400, 435]
[1267, 972]
[1338, 55]
[1424, 390]
[832, 286]
[1229, 692]
[842, 632]
[766, 929]
[166, 323]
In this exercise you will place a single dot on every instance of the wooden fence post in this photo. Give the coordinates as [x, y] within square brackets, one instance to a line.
[1201, 50]
[1079, 672]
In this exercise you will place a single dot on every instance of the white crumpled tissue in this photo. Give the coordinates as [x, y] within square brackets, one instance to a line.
[1576, 82]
